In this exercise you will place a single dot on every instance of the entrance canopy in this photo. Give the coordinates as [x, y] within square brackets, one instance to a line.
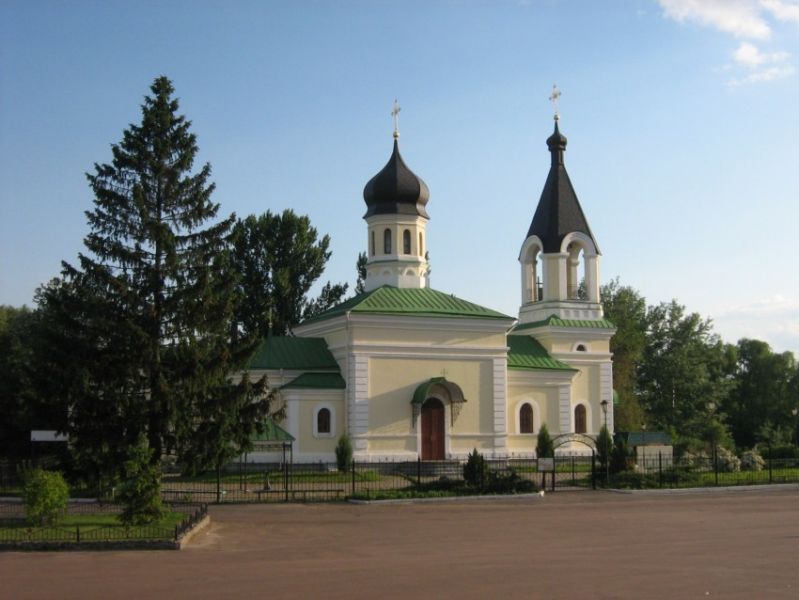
[438, 387]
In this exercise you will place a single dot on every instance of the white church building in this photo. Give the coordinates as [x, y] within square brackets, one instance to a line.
[411, 372]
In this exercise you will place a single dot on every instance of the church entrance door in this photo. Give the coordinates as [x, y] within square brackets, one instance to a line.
[433, 430]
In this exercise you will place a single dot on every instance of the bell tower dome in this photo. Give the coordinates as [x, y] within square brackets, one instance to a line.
[559, 257]
[396, 220]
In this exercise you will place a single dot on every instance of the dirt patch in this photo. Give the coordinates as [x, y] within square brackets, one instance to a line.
[567, 545]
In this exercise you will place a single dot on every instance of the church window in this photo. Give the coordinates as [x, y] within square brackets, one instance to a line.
[421, 245]
[323, 421]
[406, 242]
[579, 419]
[387, 241]
[373, 244]
[581, 348]
[526, 419]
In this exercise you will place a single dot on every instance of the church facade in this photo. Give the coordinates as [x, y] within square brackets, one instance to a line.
[411, 372]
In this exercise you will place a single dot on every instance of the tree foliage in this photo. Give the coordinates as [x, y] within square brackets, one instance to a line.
[760, 406]
[45, 494]
[544, 447]
[626, 309]
[143, 322]
[140, 492]
[278, 257]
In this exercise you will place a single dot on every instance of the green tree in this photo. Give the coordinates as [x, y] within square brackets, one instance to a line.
[344, 453]
[765, 394]
[147, 312]
[684, 369]
[544, 447]
[360, 267]
[278, 257]
[603, 445]
[140, 492]
[626, 309]
[17, 391]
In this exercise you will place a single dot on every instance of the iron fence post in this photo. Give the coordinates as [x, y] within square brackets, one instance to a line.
[353, 478]
[77, 533]
[418, 472]
[770, 458]
[715, 462]
[660, 469]
[286, 479]
[593, 469]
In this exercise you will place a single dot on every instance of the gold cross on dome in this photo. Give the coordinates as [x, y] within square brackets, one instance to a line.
[395, 113]
[554, 99]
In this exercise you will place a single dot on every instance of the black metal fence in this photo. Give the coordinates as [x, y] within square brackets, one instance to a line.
[14, 529]
[368, 480]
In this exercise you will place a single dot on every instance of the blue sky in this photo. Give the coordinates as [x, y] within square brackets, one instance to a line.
[681, 118]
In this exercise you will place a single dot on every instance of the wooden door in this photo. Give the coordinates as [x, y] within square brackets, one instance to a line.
[433, 430]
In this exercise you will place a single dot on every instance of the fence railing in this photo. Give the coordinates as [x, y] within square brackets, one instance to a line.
[14, 529]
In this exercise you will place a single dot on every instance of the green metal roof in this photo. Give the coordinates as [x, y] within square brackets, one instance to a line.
[425, 302]
[317, 381]
[527, 353]
[554, 321]
[283, 352]
[272, 433]
[647, 438]
[420, 394]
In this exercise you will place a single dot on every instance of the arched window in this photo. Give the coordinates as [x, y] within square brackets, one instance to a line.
[323, 421]
[579, 419]
[526, 419]
[406, 242]
[581, 348]
[421, 245]
[387, 241]
[373, 244]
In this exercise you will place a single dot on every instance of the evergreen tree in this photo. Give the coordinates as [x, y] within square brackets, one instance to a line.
[278, 258]
[544, 447]
[150, 305]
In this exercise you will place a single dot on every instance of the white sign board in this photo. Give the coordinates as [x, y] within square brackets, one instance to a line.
[546, 465]
[46, 435]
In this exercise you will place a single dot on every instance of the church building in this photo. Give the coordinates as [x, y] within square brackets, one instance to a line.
[411, 372]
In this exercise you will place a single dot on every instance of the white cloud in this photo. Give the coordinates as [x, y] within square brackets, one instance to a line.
[764, 75]
[748, 54]
[774, 320]
[741, 18]
[782, 10]
[748, 19]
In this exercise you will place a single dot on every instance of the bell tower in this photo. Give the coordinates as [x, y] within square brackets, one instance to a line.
[559, 257]
[396, 221]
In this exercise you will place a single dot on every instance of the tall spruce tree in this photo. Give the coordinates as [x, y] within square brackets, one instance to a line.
[150, 304]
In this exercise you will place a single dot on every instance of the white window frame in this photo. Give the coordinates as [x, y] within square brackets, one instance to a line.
[317, 408]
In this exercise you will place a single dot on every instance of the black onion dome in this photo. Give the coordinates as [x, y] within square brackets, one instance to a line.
[559, 212]
[396, 190]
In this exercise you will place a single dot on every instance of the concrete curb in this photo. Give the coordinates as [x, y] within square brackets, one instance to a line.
[774, 487]
[199, 527]
[485, 498]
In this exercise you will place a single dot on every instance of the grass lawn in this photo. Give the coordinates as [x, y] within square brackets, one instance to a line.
[92, 527]
[258, 478]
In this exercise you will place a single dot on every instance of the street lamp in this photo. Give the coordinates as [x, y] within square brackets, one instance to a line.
[604, 405]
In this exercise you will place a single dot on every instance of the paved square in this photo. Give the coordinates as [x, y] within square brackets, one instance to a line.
[566, 545]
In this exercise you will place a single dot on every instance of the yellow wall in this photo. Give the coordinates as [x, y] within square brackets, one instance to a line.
[307, 443]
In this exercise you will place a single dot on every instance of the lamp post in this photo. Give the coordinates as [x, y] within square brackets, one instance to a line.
[604, 405]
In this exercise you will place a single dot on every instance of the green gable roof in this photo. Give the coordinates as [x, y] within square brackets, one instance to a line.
[554, 321]
[647, 438]
[282, 352]
[272, 432]
[527, 353]
[424, 302]
[317, 381]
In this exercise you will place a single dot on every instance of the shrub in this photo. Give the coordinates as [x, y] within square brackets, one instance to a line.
[140, 492]
[475, 471]
[344, 453]
[783, 451]
[509, 483]
[621, 458]
[727, 461]
[544, 447]
[603, 445]
[45, 495]
[752, 461]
